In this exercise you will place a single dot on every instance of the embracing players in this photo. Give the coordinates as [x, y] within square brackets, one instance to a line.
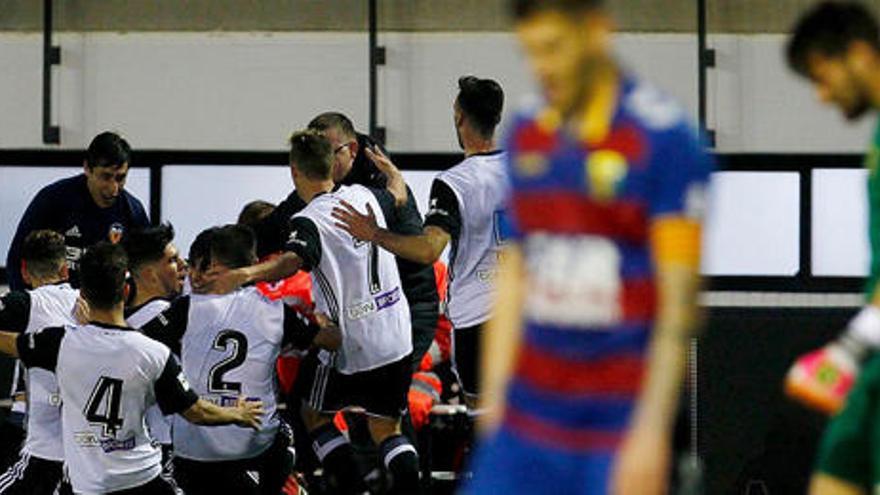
[358, 286]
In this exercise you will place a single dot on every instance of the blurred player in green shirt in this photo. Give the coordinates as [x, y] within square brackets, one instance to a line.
[837, 46]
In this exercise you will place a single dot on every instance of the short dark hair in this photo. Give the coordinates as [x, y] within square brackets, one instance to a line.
[147, 245]
[199, 256]
[234, 246]
[312, 154]
[254, 212]
[108, 149]
[43, 252]
[828, 29]
[481, 101]
[526, 8]
[333, 120]
[103, 270]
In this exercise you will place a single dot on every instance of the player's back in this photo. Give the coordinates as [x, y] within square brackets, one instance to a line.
[229, 349]
[480, 185]
[50, 306]
[358, 285]
[107, 376]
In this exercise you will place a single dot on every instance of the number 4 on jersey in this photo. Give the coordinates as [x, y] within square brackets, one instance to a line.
[103, 406]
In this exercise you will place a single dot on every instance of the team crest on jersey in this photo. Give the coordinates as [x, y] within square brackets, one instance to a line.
[531, 164]
[115, 233]
[605, 170]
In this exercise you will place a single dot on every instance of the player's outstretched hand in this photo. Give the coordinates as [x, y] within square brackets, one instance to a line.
[361, 227]
[250, 413]
[642, 465]
[218, 281]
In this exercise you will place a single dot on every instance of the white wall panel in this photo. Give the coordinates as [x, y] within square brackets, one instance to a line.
[249, 90]
[753, 226]
[840, 223]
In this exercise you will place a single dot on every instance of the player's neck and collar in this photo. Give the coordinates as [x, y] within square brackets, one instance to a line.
[590, 118]
[311, 189]
[36, 283]
[108, 318]
[476, 145]
[146, 293]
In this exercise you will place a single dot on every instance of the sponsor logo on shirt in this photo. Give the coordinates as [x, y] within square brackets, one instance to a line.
[55, 399]
[91, 440]
[183, 381]
[73, 232]
[378, 303]
[293, 239]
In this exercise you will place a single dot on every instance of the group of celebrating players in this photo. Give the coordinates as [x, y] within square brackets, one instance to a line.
[573, 270]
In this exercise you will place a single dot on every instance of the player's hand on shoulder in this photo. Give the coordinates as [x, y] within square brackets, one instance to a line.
[218, 281]
[250, 413]
[360, 226]
[330, 336]
[396, 185]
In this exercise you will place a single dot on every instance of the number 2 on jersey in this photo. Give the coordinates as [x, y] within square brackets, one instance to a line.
[103, 406]
[223, 341]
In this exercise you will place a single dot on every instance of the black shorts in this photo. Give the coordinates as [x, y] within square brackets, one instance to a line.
[380, 391]
[34, 476]
[212, 477]
[466, 357]
[156, 486]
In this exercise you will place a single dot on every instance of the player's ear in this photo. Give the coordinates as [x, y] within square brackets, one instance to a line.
[355, 146]
[25, 276]
[64, 271]
[86, 169]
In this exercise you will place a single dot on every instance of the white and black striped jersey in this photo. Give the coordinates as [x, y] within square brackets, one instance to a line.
[29, 312]
[228, 345]
[467, 201]
[108, 377]
[158, 424]
[354, 282]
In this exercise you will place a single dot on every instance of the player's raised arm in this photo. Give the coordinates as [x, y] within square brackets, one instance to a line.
[223, 281]
[247, 414]
[175, 396]
[424, 248]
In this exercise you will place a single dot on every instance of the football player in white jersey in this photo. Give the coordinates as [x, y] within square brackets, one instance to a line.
[158, 273]
[359, 287]
[466, 206]
[108, 376]
[229, 345]
[39, 469]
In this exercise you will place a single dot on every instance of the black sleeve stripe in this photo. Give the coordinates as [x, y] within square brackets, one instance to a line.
[169, 326]
[305, 241]
[15, 311]
[40, 349]
[173, 393]
[444, 209]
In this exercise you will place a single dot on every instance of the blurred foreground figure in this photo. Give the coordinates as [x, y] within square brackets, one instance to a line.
[585, 354]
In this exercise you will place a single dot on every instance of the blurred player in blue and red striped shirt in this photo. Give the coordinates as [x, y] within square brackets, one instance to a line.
[585, 356]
